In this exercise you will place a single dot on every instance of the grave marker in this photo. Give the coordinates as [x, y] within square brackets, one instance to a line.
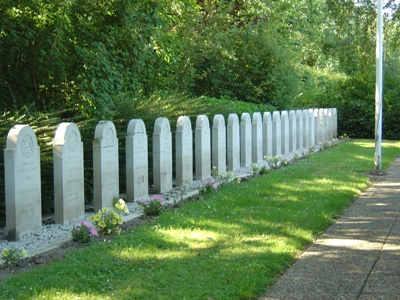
[257, 138]
[69, 196]
[233, 142]
[245, 140]
[292, 131]
[203, 148]
[312, 127]
[105, 165]
[219, 144]
[306, 129]
[137, 163]
[299, 129]
[162, 156]
[267, 134]
[184, 151]
[285, 132]
[22, 183]
[276, 134]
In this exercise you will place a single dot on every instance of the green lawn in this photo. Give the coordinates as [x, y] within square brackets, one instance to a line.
[232, 244]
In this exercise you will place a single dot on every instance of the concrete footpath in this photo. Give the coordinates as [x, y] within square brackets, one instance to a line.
[356, 258]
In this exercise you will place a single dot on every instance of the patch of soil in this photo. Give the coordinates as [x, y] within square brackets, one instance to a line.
[55, 254]
[373, 175]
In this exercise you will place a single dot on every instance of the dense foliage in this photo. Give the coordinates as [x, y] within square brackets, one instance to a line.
[86, 60]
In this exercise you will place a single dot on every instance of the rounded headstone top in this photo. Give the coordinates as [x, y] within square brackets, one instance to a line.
[136, 126]
[267, 116]
[67, 132]
[257, 117]
[218, 121]
[23, 136]
[202, 121]
[106, 130]
[161, 125]
[183, 124]
[233, 119]
[276, 115]
[245, 117]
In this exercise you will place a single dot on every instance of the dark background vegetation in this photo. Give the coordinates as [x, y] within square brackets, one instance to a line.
[88, 60]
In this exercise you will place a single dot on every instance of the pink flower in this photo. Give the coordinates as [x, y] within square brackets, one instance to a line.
[93, 232]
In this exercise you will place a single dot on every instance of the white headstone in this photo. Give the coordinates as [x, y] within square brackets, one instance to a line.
[184, 151]
[245, 140]
[306, 129]
[137, 161]
[257, 138]
[203, 148]
[267, 134]
[312, 127]
[219, 143]
[69, 189]
[162, 156]
[233, 142]
[22, 183]
[317, 126]
[105, 165]
[299, 129]
[276, 133]
[292, 131]
[285, 132]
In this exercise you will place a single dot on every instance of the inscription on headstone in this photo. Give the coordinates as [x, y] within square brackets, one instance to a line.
[137, 165]
[184, 151]
[162, 156]
[219, 143]
[22, 183]
[69, 201]
[105, 165]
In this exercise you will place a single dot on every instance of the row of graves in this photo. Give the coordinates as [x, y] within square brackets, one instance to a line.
[227, 146]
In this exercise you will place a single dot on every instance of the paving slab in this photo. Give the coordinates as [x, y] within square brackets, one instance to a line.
[358, 257]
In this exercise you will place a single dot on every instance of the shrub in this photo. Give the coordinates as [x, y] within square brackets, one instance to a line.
[153, 206]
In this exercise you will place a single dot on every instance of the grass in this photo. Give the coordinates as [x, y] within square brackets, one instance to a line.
[230, 245]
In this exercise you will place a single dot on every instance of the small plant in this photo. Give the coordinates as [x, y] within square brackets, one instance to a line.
[214, 173]
[153, 206]
[255, 169]
[12, 256]
[108, 219]
[311, 150]
[207, 186]
[263, 170]
[273, 161]
[120, 206]
[84, 232]
[225, 177]
[286, 161]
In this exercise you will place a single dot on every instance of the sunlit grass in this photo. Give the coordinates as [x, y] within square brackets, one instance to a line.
[230, 245]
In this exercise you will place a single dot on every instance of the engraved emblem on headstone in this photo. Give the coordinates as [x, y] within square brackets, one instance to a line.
[109, 137]
[72, 141]
[27, 146]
